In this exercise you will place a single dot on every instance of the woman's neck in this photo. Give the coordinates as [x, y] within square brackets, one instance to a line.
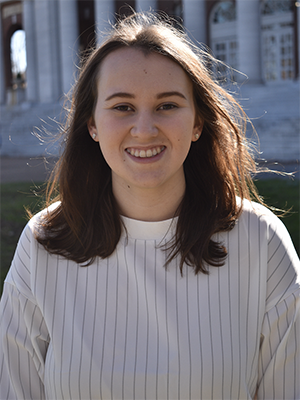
[149, 204]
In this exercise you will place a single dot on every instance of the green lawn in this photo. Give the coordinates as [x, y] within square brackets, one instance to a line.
[284, 194]
[280, 193]
[14, 198]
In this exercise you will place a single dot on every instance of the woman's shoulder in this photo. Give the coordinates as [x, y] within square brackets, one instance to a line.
[254, 210]
[20, 272]
[256, 220]
[34, 226]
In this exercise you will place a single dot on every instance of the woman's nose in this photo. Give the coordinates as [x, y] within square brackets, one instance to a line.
[144, 125]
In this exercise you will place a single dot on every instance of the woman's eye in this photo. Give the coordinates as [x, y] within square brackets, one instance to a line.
[123, 108]
[168, 106]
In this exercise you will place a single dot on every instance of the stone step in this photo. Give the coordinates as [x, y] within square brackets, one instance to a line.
[271, 102]
[30, 130]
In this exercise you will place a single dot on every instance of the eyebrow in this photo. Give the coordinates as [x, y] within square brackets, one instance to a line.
[120, 94]
[132, 96]
[170, 94]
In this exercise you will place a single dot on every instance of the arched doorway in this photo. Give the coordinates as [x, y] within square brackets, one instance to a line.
[18, 57]
[11, 14]
[15, 57]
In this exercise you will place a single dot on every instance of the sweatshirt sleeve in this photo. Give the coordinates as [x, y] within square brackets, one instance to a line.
[23, 333]
[279, 362]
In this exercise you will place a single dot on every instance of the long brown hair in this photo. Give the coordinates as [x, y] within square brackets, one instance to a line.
[218, 168]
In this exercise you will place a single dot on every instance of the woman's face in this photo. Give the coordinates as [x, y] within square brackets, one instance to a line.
[144, 119]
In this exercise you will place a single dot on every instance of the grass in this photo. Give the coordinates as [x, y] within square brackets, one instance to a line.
[14, 198]
[284, 194]
[279, 193]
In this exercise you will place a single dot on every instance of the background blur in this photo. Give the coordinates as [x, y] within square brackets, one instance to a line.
[41, 42]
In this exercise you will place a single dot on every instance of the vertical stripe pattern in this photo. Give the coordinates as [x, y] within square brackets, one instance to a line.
[128, 328]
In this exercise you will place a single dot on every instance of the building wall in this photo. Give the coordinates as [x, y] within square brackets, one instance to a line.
[57, 31]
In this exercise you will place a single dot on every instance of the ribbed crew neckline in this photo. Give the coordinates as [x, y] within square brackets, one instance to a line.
[149, 230]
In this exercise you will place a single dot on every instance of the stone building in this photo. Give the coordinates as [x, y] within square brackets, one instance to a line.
[260, 38]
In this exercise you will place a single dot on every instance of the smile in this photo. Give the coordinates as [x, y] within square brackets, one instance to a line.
[145, 153]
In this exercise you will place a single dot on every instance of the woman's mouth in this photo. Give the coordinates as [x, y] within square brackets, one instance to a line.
[145, 153]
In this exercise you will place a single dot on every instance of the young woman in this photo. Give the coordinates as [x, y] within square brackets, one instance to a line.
[153, 275]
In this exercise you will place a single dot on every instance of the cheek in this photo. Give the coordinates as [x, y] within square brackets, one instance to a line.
[106, 149]
[183, 137]
[110, 148]
[111, 131]
[182, 128]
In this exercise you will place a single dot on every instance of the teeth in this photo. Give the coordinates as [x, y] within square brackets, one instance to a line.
[145, 153]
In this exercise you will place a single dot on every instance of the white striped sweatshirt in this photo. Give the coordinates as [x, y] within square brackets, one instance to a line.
[126, 327]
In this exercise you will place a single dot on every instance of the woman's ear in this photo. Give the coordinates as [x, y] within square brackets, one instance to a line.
[92, 129]
[197, 131]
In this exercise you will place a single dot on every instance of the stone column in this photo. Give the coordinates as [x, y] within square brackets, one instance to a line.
[249, 38]
[104, 15]
[298, 33]
[2, 73]
[31, 70]
[145, 5]
[194, 19]
[69, 42]
[47, 50]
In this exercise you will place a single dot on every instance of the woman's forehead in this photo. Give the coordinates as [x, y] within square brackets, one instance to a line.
[132, 55]
[131, 68]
